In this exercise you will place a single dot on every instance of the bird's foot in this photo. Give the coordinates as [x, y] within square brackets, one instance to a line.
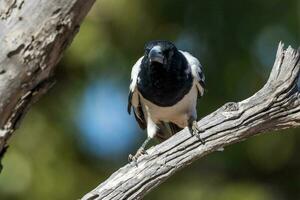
[196, 131]
[134, 158]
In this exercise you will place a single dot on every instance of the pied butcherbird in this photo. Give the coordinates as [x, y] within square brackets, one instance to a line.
[165, 85]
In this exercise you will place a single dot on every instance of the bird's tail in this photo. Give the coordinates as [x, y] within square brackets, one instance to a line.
[166, 130]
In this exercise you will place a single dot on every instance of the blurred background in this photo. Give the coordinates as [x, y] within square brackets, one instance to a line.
[80, 132]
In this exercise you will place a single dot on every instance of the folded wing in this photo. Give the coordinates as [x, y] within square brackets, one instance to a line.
[133, 96]
[197, 71]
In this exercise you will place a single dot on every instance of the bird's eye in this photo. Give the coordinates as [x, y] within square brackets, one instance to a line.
[166, 52]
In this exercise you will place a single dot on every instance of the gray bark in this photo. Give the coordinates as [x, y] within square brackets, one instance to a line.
[276, 106]
[33, 35]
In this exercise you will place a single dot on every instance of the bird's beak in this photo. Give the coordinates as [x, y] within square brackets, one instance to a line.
[156, 55]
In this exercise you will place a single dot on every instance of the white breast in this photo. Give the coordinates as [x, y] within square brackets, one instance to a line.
[178, 113]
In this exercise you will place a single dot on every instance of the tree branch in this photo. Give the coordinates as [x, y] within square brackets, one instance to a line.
[276, 106]
[33, 35]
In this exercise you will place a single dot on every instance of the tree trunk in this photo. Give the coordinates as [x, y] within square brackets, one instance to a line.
[276, 106]
[34, 34]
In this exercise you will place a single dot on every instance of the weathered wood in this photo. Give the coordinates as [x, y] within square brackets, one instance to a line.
[33, 36]
[276, 106]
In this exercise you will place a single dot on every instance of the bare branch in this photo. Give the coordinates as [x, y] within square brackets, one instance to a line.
[33, 35]
[276, 106]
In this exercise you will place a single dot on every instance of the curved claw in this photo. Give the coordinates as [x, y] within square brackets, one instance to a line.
[195, 130]
[131, 158]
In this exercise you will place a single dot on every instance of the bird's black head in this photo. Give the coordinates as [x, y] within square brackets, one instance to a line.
[163, 76]
[161, 53]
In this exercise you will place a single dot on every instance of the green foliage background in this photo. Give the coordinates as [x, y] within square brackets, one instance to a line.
[235, 41]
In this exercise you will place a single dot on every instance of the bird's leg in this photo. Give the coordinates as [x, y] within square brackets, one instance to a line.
[195, 130]
[139, 152]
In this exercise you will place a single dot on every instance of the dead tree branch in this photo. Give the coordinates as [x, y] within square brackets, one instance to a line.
[33, 36]
[276, 106]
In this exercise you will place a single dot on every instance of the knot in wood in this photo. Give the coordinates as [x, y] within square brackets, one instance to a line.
[230, 106]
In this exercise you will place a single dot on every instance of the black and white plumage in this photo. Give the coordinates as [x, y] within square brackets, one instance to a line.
[165, 85]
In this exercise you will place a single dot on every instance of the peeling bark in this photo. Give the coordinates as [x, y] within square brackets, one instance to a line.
[276, 106]
[33, 35]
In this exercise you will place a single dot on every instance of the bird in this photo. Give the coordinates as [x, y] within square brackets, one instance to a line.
[164, 87]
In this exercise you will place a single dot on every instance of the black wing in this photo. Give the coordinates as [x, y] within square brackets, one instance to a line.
[137, 111]
[197, 71]
[134, 98]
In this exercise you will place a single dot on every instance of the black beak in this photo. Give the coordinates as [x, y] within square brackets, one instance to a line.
[156, 55]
